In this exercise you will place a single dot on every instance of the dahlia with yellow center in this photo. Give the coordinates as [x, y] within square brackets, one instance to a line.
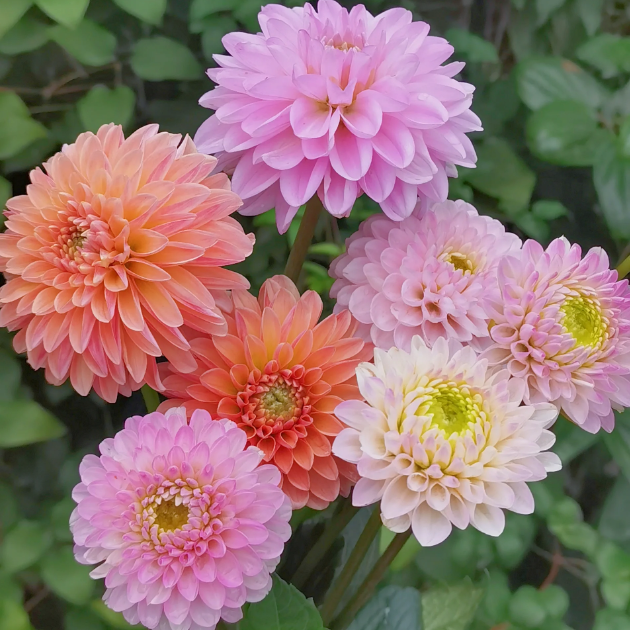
[112, 249]
[279, 374]
[561, 325]
[442, 441]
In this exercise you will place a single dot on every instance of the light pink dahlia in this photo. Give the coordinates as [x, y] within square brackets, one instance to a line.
[442, 441]
[117, 245]
[185, 525]
[430, 274]
[336, 103]
[561, 325]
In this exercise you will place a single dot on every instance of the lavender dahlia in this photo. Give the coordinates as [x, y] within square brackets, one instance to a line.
[184, 524]
[337, 103]
[431, 274]
[561, 325]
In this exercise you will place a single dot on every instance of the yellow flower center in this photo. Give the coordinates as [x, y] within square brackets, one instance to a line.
[453, 408]
[279, 402]
[169, 516]
[583, 320]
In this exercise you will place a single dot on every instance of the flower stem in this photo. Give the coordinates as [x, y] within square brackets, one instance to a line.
[341, 584]
[623, 269]
[365, 591]
[303, 238]
[334, 527]
[151, 398]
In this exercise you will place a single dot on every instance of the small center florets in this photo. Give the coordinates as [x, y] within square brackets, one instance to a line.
[453, 408]
[582, 319]
[169, 516]
[460, 261]
[279, 402]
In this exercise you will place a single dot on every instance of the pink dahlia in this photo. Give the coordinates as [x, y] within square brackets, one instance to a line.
[431, 274]
[184, 524]
[561, 325]
[279, 374]
[442, 441]
[336, 103]
[110, 251]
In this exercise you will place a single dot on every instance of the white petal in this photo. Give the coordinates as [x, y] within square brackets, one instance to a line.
[398, 499]
[523, 498]
[347, 446]
[489, 520]
[430, 527]
[367, 492]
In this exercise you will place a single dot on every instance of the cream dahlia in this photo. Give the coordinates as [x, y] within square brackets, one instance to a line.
[279, 375]
[441, 441]
[183, 522]
[561, 325]
[110, 251]
[431, 274]
[337, 103]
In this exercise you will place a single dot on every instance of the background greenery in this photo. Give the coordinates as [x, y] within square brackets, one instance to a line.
[553, 91]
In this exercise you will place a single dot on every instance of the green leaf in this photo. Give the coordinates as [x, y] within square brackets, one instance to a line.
[111, 618]
[6, 191]
[613, 522]
[60, 519]
[548, 210]
[616, 593]
[608, 619]
[89, 42]
[10, 588]
[13, 616]
[555, 601]
[392, 608]
[17, 128]
[11, 11]
[26, 422]
[149, 11]
[590, 12]
[213, 34]
[82, 619]
[450, 607]
[500, 173]
[10, 512]
[612, 561]
[23, 546]
[526, 608]
[609, 53]
[623, 142]
[65, 577]
[285, 608]
[327, 249]
[544, 80]
[66, 12]
[10, 375]
[200, 9]
[474, 48]
[532, 225]
[102, 105]
[161, 59]
[27, 35]
[544, 8]
[611, 176]
[565, 133]
[246, 12]
[571, 440]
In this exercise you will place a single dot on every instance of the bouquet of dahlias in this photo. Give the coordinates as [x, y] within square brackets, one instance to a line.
[428, 393]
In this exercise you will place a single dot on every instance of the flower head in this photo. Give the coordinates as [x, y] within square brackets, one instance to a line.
[442, 442]
[110, 251]
[431, 274]
[337, 103]
[184, 524]
[279, 375]
[561, 325]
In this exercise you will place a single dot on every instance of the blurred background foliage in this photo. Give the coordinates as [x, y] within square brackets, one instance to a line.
[553, 91]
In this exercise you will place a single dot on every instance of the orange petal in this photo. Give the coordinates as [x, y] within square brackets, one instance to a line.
[325, 489]
[303, 454]
[318, 442]
[231, 349]
[283, 459]
[255, 352]
[340, 372]
[160, 303]
[327, 424]
[146, 271]
[228, 408]
[130, 310]
[270, 329]
[219, 382]
[326, 467]
[298, 477]
[147, 242]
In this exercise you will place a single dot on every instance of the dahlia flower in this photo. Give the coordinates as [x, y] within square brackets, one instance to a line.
[442, 442]
[430, 274]
[279, 375]
[184, 524]
[110, 251]
[336, 103]
[561, 325]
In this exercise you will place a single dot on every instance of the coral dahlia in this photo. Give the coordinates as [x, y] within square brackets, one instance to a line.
[561, 325]
[110, 251]
[431, 274]
[184, 524]
[337, 103]
[441, 441]
[279, 375]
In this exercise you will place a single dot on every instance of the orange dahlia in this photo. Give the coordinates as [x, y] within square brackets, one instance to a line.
[279, 375]
[112, 249]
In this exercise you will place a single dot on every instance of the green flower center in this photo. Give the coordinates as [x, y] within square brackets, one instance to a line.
[279, 402]
[169, 516]
[453, 408]
[582, 319]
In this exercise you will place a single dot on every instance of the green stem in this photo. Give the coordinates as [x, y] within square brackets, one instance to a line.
[333, 528]
[623, 269]
[303, 239]
[365, 591]
[341, 584]
[151, 398]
